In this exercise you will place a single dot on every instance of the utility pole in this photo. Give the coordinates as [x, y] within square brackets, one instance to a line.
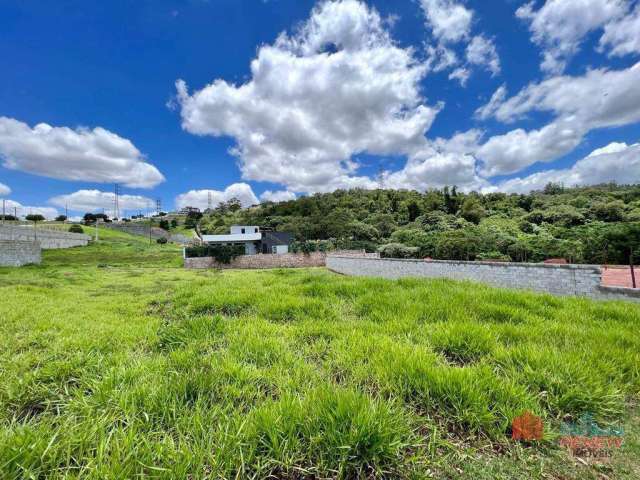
[158, 205]
[97, 221]
[66, 212]
[3, 210]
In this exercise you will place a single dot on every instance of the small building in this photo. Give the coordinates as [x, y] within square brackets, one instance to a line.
[253, 239]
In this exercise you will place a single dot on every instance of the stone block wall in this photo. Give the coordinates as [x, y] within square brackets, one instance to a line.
[580, 280]
[48, 239]
[16, 253]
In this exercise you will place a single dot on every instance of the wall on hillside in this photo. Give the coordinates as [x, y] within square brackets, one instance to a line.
[143, 230]
[48, 239]
[580, 280]
[15, 253]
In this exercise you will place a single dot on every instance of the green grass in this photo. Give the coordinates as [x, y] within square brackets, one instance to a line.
[116, 364]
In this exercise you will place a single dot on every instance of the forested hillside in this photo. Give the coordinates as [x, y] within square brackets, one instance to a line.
[598, 224]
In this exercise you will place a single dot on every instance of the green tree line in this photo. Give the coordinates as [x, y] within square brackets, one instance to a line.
[596, 224]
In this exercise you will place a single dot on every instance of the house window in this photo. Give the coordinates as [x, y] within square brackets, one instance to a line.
[274, 249]
[242, 230]
[256, 230]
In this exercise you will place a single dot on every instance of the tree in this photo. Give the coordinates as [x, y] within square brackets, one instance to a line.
[34, 217]
[75, 228]
[61, 218]
[472, 211]
[164, 224]
[174, 223]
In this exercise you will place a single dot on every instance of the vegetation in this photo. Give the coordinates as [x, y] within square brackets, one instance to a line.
[599, 224]
[221, 253]
[75, 228]
[116, 365]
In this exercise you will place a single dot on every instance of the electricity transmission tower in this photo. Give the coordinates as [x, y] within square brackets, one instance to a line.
[158, 205]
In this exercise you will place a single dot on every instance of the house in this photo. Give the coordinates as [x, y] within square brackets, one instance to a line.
[254, 239]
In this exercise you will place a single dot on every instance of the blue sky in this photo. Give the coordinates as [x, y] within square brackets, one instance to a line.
[355, 94]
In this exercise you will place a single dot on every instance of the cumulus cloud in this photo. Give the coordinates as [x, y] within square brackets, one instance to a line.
[496, 100]
[4, 190]
[600, 98]
[96, 155]
[337, 87]
[481, 51]
[617, 162]
[279, 196]
[443, 162]
[200, 198]
[515, 150]
[12, 207]
[96, 200]
[622, 36]
[559, 26]
[449, 21]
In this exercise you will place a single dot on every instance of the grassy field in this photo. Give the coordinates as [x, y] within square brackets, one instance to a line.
[116, 363]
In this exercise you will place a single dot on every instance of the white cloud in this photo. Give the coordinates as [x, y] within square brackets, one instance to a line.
[200, 198]
[443, 162]
[12, 207]
[440, 58]
[559, 26]
[600, 98]
[617, 162]
[622, 36]
[489, 109]
[338, 87]
[515, 150]
[482, 51]
[4, 190]
[96, 200]
[461, 74]
[449, 21]
[280, 196]
[96, 155]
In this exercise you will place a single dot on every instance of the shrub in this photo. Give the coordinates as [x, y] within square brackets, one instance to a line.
[75, 228]
[161, 240]
[397, 250]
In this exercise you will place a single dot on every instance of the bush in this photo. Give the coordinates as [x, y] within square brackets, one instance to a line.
[161, 240]
[75, 228]
[397, 250]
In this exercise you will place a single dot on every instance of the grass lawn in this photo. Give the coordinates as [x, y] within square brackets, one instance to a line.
[116, 363]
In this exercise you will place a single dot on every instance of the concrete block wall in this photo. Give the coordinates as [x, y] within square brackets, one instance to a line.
[579, 280]
[48, 239]
[16, 253]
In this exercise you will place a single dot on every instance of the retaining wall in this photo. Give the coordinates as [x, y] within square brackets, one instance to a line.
[48, 239]
[16, 253]
[580, 280]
